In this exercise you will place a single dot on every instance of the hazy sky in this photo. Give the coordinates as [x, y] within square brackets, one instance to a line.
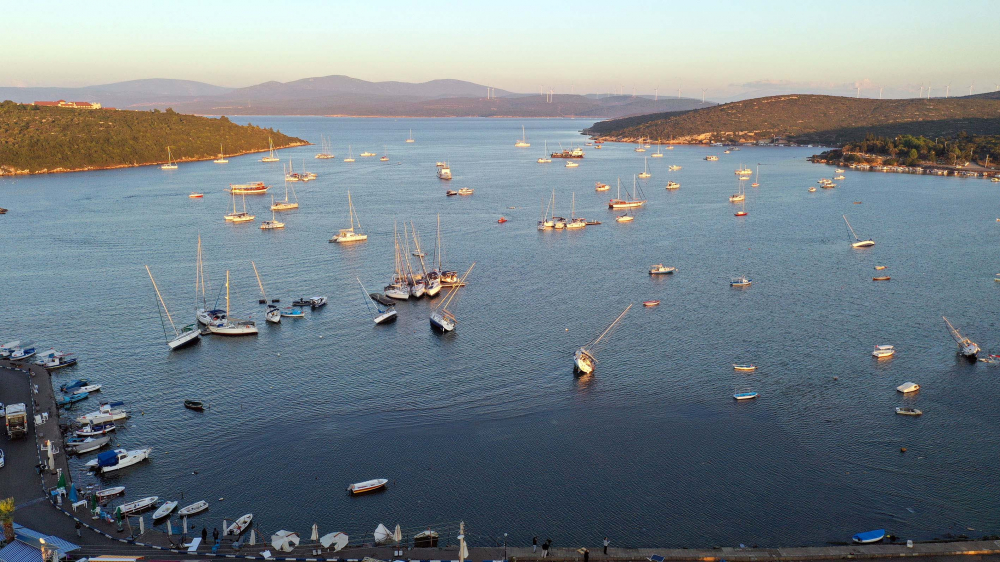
[590, 46]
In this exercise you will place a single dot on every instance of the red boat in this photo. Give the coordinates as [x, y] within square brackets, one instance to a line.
[741, 213]
[502, 220]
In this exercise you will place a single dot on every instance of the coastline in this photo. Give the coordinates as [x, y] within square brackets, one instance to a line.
[4, 170]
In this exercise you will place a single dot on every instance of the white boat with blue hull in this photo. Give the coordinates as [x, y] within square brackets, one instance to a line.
[184, 337]
[118, 459]
[442, 319]
[869, 537]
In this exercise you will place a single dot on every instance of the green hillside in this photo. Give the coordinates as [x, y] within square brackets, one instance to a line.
[812, 119]
[49, 139]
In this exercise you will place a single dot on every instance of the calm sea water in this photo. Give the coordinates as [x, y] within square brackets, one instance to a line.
[488, 424]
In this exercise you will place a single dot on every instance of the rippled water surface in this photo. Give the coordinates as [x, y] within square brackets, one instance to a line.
[488, 424]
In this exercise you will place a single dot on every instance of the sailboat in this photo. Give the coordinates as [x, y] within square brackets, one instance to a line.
[966, 347]
[410, 138]
[575, 222]
[350, 155]
[585, 360]
[858, 243]
[432, 284]
[547, 223]
[442, 319]
[741, 198]
[398, 289]
[523, 142]
[272, 314]
[348, 234]
[385, 156]
[756, 179]
[658, 154]
[325, 155]
[241, 216]
[222, 157]
[631, 198]
[739, 195]
[415, 283]
[286, 204]
[383, 313]
[627, 217]
[446, 277]
[273, 223]
[203, 314]
[640, 148]
[170, 165]
[231, 326]
[270, 157]
[187, 335]
[545, 158]
[645, 170]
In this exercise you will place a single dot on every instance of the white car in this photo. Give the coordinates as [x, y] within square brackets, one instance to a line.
[1, 458]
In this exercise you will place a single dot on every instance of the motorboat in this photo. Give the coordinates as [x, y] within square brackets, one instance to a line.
[673, 185]
[22, 353]
[193, 509]
[838, 177]
[450, 192]
[601, 187]
[625, 218]
[908, 387]
[740, 282]
[196, 195]
[444, 172]
[66, 401]
[118, 459]
[80, 445]
[712, 158]
[869, 536]
[882, 351]
[673, 167]
[96, 430]
[744, 367]
[317, 302]
[745, 395]
[466, 191]
[651, 303]
[73, 385]
[367, 154]
[108, 493]
[107, 412]
[138, 506]
[367, 486]
[293, 312]
[908, 411]
[240, 525]
[206, 317]
[660, 269]
[59, 361]
[572, 164]
[812, 190]
[164, 510]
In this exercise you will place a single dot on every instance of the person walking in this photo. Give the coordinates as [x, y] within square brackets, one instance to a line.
[204, 534]
[586, 555]
[78, 527]
[215, 535]
[606, 543]
[534, 545]
[545, 549]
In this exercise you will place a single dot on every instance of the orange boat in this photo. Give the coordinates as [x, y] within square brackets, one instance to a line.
[196, 195]
[502, 220]
[740, 213]
[650, 303]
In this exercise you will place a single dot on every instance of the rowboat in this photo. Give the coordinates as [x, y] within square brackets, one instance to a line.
[196, 507]
[87, 388]
[651, 303]
[746, 395]
[138, 505]
[196, 195]
[367, 486]
[745, 367]
[164, 510]
[869, 536]
[196, 405]
[907, 387]
[240, 525]
[882, 278]
[909, 412]
[108, 493]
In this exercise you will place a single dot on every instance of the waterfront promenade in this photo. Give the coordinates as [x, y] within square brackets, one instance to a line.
[30, 488]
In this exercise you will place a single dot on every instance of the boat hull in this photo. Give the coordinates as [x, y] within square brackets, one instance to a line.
[440, 323]
[186, 339]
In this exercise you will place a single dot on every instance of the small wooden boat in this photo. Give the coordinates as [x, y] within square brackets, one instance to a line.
[139, 505]
[879, 267]
[196, 405]
[3, 211]
[882, 278]
[240, 525]
[909, 412]
[367, 486]
[450, 192]
[108, 493]
[745, 367]
[869, 536]
[745, 395]
[651, 303]
[196, 195]
[740, 213]
[196, 507]
[908, 387]
[164, 510]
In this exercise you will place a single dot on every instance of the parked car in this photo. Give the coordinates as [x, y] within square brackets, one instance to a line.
[1, 458]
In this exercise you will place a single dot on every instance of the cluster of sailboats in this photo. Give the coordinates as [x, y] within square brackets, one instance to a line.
[551, 222]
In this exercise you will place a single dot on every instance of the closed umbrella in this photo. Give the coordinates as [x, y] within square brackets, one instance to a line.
[285, 541]
[62, 478]
[170, 530]
[142, 525]
[253, 537]
[93, 502]
[397, 535]
[315, 533]
[72, 494]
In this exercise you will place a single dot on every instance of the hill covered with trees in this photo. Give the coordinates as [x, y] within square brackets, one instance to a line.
[830, 120]
[37, 139]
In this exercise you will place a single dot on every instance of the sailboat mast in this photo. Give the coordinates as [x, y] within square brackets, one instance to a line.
[227, 293]
[454, 289]
[364, 295]
[437, 248]
[259, 284]
[852, 231]
[157, 289]
[420, 253]
[608, 329]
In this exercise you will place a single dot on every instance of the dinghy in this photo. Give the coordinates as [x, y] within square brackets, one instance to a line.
[94, 430]
[87, 389]
[193, 509]
[908, 387]
[869, 536]
[745, 395]
[909, 412]
[745, 367]
[138, 505]
[108, 493]
[164, 510]
[79, 445]
[240, 525]
[651, 303]
[196, 405]
[367, 486]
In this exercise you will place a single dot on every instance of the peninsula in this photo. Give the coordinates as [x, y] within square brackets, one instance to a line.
[40, 139]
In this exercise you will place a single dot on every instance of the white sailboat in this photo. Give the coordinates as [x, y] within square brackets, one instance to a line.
[270, 157]
[325, 154]
[410, 138]
[203, 314]
[657, 154]
[858, 243]
[575, 222]
[523, 141]
[222, 157]
[966, 347]
[231, 326]
[272, 314]
[170, 165]
[286, 204]
[585, 360]
[442, 319]
[545, 156]
[239, 216]
[547, 223]
[432, 284]
[740, 195]
[383, 314]
[640, 147]
[187, 335]
[348, 234]
[645, 170]
[398, 289]
[350, 154]
[414, 282]
[445, 277]
[756, 179]
[274, 223]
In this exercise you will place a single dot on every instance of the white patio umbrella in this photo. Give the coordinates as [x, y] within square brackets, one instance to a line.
[397, 535]
[285, 541]
[253, 537]
[170, 530]
[315, 533]
[142, 525]
[382, 534]
[338, 540]
[184, 520]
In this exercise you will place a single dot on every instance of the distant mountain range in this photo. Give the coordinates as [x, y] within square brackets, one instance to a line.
[343, 95]
[815, 119]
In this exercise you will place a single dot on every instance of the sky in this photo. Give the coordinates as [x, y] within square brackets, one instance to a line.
[724, 47]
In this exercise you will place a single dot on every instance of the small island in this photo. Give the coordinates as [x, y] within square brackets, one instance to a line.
[962, 155]
[46, 139]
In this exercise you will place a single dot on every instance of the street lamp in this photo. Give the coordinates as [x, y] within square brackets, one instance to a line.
[505, 547]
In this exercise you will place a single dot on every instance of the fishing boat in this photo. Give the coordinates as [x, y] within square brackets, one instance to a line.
[601, 186]
[444, 172]
[966, 347]
[222, 157]
[367, 154]
[240, 525]
[523, 141]
[660, 269]
[712, 158]
[187, 335]
[193, 509]
[651, 303]
[202, 313]
[410, 138]
[325, 154]
[118, 459]
[576, 153]
[138, 506]
[66, 401]
[196, 405]
[164, 510]
[81, 445]
[545, 159]
[741, 281]
[631, 199]
[384, 313]
[270, 157]
[108, 493]
[673, 185]
[349, 234]
[170, 165]
[293, 312]
[73, 385]
[60, 361]
[657, 154]
[882, 351]
[108, 412]
[585, 358]
[26, 351]
[274, 223]
[232, 326]
[869, 536]
[367, 486]
[673, 167]
[645, 170]
[744, 367]
[908, 412]
[745, 394]
[239, 216]
[96, 429]
[350, 155]
[385, 155]
[858, 243]
[908, 387]
[442, 319]
[196, 195]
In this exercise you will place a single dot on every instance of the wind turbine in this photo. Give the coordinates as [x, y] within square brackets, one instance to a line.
[947, 91]
[921, 91]
[880, 92]
[678, 93]
[970, 88]
[703, 90]
[656, 94]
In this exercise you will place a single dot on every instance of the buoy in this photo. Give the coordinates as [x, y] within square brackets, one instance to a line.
[902, 449]
[220, 499]
[321, 337]
[836, 378]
